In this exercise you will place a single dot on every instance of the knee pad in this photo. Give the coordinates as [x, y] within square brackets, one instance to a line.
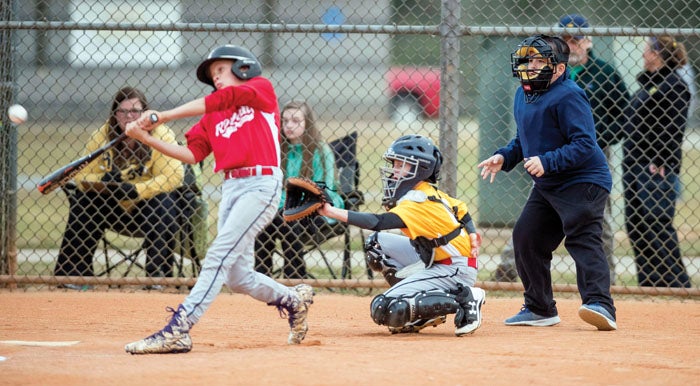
[397, 312]
[377, 260]
[374, 254]
[379, 308]
[434, 303]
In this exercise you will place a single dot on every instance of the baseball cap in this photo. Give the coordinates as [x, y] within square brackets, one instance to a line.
[573, 21]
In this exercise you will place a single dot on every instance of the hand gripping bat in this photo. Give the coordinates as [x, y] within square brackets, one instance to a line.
[58, 178]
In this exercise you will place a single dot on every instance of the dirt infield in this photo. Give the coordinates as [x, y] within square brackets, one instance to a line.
[243, 342]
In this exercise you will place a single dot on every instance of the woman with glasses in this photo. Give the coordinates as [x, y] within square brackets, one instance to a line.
[130, 189]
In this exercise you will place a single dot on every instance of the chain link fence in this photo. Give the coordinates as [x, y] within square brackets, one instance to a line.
[375, 68]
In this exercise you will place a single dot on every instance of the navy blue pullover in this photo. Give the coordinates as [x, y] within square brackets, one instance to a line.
[558, 127]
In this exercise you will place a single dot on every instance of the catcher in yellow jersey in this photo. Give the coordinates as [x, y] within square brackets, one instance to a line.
[432, 269]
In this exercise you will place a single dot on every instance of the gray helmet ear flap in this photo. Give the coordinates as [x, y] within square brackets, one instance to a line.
[246, 68]
[436, 169]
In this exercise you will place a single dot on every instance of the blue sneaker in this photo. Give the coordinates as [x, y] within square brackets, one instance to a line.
[528, 318]
[598, 316]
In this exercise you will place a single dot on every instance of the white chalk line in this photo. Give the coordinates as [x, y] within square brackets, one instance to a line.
[40, 343]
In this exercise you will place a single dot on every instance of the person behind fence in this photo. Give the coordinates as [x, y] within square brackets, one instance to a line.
[555, 139]
[607, 93]
[688, 74]
[651, 164]
[304, 154]
[240, 126]
[432, 268]
[130, 187]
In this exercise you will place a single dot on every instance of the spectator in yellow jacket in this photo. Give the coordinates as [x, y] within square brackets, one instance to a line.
[131, 187]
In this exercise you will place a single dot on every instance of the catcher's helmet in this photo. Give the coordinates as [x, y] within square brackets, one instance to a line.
[245, 64]
[534, 81]
[425, 160]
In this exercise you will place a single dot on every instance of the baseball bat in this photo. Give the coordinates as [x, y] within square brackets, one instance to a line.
[58, 178]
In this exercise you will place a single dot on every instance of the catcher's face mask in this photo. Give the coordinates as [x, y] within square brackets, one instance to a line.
[398, 177]
[533, 62]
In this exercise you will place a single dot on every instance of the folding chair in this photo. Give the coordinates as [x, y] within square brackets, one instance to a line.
[191, 238]
[345, 151]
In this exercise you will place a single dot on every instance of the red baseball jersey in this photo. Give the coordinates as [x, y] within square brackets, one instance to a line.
[240, 126]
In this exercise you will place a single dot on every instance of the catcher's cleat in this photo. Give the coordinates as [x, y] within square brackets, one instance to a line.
[598, 316]
[173, 338]
[297, 306]
[468, 318]
[418, 325]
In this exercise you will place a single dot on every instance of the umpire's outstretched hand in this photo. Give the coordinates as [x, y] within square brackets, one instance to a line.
[491, 165]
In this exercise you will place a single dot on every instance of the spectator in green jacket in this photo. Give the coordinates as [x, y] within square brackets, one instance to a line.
[304, 154]
[609, 97]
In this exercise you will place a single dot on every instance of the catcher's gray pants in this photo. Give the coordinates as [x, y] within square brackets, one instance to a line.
[401, 254]
[247, 206]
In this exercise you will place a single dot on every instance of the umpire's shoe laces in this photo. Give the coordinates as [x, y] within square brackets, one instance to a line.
[173, 338]
[296, 305]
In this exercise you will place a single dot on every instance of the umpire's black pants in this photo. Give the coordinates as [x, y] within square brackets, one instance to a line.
[547, 218]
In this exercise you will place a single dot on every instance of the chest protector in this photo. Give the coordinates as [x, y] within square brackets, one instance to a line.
[425, 247]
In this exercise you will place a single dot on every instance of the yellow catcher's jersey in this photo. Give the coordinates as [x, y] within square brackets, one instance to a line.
[432, 219]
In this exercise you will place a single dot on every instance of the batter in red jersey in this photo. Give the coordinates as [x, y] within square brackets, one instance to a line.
[240, 126]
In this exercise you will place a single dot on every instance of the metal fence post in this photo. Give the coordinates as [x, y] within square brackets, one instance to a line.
[8, 149]
[449, 93]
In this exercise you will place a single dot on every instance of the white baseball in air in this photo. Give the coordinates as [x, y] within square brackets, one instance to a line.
[17, 114]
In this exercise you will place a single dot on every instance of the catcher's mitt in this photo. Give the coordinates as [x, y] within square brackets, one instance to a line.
[304, 198]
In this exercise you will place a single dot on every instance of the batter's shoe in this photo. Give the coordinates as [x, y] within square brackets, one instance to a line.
[297, 307]
[418, 325]
[173, 338]
[468, 318]
[528, 318]
[598, 316]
